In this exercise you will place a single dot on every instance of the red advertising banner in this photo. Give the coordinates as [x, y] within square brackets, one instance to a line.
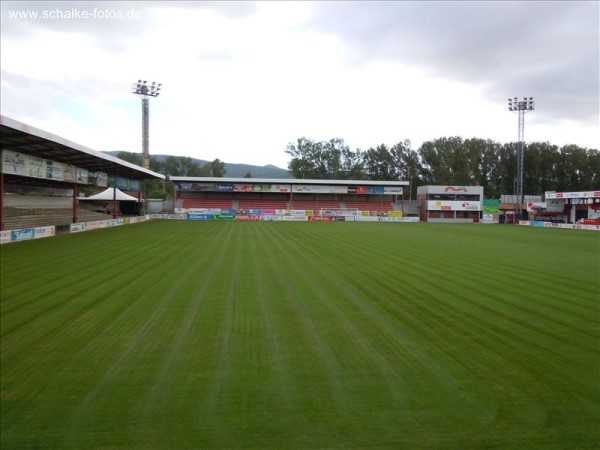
[247, 218]
[242, 188]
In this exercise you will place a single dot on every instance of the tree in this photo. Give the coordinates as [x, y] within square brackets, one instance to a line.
[593, 169]
[480, 162]
[379, 164]
[408, 164]
[352, 164]
[322, 160]
[248, 175]
[452, 160]
[215, 168]
[133, 158]
[444, 161]
[302, 164]
[571, 169]
[539, 168]
[182, 166]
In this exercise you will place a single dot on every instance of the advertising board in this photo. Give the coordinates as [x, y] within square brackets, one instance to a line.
[549, 195]
[22, 164]
[320, 189]
[453, 205]
[198, 216]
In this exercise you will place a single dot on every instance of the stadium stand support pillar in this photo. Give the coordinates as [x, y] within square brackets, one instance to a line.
[1, 200]
[114, 205]
[176, 197]
[74, 202]
[403, 202]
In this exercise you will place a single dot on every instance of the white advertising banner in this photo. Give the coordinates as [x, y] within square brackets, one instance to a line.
[42, 232]
[395, 190]
[453, 205]
[320, 189]
[584, 194]
[4, 236]
[25, 165]
[77, 227]
[536, 206]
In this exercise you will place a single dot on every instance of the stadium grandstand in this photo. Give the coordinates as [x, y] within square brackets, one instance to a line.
[257, 196]
[43, 175]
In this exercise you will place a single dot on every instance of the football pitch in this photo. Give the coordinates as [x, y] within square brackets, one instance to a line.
[216, 335]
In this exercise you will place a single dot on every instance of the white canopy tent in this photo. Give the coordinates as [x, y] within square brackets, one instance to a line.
[109, 195]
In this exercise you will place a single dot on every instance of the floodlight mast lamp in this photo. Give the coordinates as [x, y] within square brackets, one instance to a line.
[520, 107]
[146, 91]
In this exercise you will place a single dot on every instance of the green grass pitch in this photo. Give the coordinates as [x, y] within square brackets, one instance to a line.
[190, 335]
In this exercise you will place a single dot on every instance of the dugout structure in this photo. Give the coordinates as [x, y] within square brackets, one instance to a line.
[450, 204]
[568, 207]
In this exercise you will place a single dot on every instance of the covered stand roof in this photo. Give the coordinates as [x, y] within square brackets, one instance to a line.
[20, 137]
[290, 181]
[109, 194]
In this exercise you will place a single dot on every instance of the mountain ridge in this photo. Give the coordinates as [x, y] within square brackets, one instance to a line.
[232, 170]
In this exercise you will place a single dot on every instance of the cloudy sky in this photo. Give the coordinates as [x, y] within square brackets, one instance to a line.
[243, 79]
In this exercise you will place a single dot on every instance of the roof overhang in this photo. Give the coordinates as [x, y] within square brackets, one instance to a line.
[23, 138]
[288, 181]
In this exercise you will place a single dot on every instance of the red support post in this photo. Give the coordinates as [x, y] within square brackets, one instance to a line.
[114, 202]
[1, 201]
[74, 202]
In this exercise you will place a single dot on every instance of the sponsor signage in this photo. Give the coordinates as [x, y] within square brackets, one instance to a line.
[4, 236]
[230, 187]
[99, 179]
[242, 188]
[42, 232]
[22, 234]
[271, 188]
[535, 206]
[247, 218]
[194, 216]
[26, 165]
[77, 227]
[393, 190]
[375, 190]
[491, 211]
[453, 205]
[584, 194]
[456, 189]
[225, 217]
[320, 189]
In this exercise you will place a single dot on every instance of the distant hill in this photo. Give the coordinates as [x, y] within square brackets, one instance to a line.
[236, 170]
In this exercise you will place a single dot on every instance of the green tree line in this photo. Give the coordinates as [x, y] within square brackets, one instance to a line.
[451, 160]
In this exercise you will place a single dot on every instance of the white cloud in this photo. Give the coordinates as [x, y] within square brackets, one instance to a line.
[240, 82]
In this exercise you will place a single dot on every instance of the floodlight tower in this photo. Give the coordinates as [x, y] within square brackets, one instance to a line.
[520, 107]
[145, 92]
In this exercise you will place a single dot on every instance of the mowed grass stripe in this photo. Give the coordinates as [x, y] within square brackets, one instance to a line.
[107, 337]
[593, 372]
[396, 341]
[333, 335]
[157, 345]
